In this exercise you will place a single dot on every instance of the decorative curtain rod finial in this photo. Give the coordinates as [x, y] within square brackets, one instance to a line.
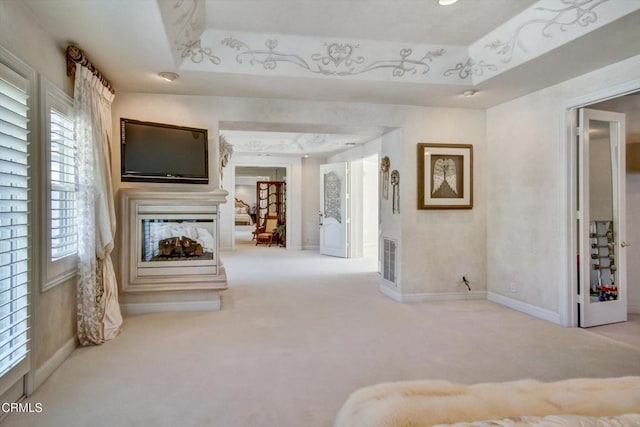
[76, 56]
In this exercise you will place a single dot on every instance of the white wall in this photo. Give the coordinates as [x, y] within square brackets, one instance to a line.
[391, 145]
[364, 201]
[527, 198]
[370, 205]
[22, 35]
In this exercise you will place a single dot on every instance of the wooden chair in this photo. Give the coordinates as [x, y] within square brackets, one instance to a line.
[266, 233]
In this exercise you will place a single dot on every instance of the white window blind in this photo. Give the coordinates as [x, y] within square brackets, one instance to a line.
[14, 214]
[63, 179]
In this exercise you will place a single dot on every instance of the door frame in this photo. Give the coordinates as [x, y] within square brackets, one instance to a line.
[344, 250]
[232, 194]
[568, 306]
[293, 204]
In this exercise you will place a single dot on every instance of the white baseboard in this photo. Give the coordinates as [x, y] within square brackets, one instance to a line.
[431, 296]
[135, 309]
[532, 310]
[633, 308]
[310, 247]
[47, 368]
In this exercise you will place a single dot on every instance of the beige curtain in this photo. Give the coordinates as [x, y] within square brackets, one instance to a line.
[99, 317]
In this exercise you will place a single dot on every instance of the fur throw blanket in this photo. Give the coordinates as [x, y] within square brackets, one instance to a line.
[428, 403]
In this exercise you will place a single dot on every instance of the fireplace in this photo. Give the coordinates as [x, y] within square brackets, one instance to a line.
[171, 242]
[169, 249]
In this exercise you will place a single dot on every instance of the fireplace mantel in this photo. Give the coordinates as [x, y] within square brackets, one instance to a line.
[169, 251]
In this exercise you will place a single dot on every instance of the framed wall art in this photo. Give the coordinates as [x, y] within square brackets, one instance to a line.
[445, 176]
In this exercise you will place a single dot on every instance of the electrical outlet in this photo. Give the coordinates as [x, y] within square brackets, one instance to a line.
[513, 287]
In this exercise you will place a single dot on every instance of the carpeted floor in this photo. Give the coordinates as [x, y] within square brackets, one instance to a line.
[297, 333]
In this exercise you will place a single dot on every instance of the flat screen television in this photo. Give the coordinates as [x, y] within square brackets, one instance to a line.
[157, 152]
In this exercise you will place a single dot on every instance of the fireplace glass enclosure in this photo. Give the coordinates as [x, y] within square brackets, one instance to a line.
[170, 241]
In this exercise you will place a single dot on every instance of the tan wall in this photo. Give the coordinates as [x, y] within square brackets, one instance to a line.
[55, 320]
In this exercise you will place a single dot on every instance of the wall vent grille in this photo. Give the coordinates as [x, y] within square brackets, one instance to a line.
[389, 260]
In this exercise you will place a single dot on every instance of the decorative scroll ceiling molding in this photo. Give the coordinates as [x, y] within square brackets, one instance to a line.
[539, 29]
[299, 56]
[289, 142]
[546, 25]
[184, 24]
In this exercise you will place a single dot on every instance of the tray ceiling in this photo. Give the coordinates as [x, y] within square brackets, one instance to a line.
[409, 52]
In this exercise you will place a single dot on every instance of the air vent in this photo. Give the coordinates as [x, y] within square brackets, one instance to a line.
[389, 260]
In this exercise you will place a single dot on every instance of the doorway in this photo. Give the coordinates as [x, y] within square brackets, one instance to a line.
[606, 189]
[249, 207]
[349, 208]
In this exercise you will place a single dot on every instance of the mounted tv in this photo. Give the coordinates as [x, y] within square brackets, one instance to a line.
[157, 152]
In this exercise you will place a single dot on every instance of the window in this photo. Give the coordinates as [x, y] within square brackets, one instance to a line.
[60, 182]
[63, 187]
[14, 221]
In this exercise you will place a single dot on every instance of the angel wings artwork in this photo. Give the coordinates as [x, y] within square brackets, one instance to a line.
[445, 177]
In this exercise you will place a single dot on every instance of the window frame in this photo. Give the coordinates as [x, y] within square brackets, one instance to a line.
[23, 371]
[60, 270]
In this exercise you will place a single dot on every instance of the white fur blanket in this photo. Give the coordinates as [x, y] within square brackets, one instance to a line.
[427, 403]
[626, 420]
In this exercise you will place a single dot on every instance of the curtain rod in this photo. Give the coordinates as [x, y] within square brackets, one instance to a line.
[77, 56]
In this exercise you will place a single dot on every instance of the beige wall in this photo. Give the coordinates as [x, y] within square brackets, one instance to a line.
[55, 317]
[527, 181]
[440, 246]
[54, 311]
[246, 193]
[431, 265]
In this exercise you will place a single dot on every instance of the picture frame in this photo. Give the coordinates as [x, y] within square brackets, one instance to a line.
[445, 176]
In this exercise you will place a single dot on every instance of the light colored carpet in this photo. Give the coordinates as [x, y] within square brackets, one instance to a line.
[628, 331]
[297, 334]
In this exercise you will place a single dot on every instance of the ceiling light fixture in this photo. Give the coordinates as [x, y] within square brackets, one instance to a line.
[446, 2]
[469, 93]
[168, 75]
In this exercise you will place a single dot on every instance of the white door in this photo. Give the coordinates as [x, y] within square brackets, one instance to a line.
[334, 212]
[601, 221]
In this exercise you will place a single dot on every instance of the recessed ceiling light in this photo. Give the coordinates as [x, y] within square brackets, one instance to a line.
[446, 2]
[305, 155]
[469, 93]
[168, 75]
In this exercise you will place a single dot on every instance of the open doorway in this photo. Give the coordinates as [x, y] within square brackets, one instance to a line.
[608, 286]
[300, 150]
[349, 206]
[253, 205]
